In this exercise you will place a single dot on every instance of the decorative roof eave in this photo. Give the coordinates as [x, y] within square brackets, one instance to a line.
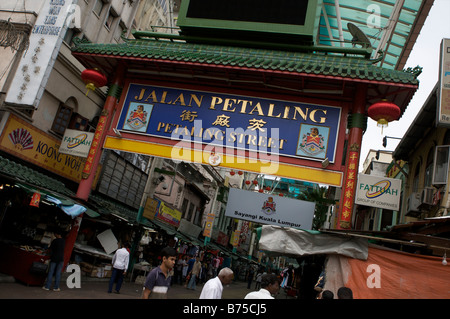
[194, 59]
[337, 66]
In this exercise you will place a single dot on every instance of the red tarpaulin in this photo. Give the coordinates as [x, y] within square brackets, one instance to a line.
[388, 274]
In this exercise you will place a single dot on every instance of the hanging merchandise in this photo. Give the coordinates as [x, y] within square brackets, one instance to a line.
[35, 199]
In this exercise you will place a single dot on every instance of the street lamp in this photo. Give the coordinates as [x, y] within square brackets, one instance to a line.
[386, 137]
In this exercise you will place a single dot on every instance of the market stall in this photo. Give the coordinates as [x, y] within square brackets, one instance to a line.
[371, 271]
[29, 217]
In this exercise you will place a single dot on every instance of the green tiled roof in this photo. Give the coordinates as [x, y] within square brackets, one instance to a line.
[31, 176]
[331, 64]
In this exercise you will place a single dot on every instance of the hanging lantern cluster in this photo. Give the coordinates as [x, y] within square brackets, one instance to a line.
[93, 79]
[384, 112]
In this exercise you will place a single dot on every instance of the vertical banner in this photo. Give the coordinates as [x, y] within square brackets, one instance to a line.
[45, 40]
[349, 189]
[444, 85]
[208, 225]
[235, 238]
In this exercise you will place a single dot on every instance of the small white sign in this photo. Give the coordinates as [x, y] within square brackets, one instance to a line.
[270, 209]
[380, 192]
[108, 241]
[77, 143]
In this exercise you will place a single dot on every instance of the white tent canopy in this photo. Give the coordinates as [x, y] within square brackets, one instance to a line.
[281, 241]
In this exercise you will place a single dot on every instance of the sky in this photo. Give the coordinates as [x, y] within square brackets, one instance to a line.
[425, 53]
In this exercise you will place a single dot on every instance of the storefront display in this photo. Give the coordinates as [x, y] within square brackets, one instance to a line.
[27, 223]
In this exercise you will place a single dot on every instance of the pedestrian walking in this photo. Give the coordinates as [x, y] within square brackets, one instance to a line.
[56, 261]
[185, 268]
[120, 266]
[214, 287]
[270, 285]
[157, 283]
[195, 272]
[258, 280]
[250, 275]
[179, 271]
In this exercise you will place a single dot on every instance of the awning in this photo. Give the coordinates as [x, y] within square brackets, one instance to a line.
[280, 241]
[66, 204]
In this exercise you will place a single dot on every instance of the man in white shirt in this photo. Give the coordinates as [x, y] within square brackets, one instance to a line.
[214, 287]
[120, 265]
[270, 285]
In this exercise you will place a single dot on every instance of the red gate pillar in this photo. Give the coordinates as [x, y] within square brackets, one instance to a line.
[104, 123]
[357, 124]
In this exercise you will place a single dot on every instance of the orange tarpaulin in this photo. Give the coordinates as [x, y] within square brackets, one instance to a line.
[388, 274]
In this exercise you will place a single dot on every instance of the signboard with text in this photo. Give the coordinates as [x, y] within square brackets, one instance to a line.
[380, 192]
[36, 63]
[77, 143]
[25, 141]
[240, 122]
[443, 114]
[269, 209]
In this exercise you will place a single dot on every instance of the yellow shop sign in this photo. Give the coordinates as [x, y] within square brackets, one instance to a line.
[23, 140]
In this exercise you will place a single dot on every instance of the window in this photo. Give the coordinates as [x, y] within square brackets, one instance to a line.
[78, 122]
[415, 186]
[67, 118]
[119, 30]
[110, 19]
[429, 169]
[62, 119]
[98, 7]
[441, 160]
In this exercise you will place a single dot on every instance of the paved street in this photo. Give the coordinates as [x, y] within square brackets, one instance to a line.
[93, 288]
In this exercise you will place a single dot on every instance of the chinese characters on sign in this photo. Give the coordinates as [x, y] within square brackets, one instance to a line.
[349, 189]
[287, 128]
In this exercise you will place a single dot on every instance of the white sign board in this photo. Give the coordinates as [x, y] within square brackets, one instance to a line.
[77, 143]
[108, 241]
[37, 62]
[270, 209]
[380, 192]
[444, 87]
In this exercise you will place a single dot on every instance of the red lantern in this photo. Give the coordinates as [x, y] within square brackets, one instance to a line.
[232, 173]
[93, 79]
[240, 172]
[247, 182]
[384, 112]
[255, 182]
[261, 190]
[268, 188]
[281, 194]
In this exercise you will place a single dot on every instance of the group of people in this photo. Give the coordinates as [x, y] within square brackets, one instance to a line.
[191, 270]
[188, 270]
[342, 293]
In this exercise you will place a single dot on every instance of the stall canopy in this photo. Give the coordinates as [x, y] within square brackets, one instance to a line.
[51, 190]
[292, 242]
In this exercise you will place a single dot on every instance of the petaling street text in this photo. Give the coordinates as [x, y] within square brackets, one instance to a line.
[234, 105]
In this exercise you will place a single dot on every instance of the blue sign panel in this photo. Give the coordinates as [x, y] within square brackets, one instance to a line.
[287, 128]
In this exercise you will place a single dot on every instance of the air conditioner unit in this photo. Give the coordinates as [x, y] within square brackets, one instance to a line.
[412, 204]
[426, 198]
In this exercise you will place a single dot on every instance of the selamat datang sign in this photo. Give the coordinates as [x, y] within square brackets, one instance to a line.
[380, 192]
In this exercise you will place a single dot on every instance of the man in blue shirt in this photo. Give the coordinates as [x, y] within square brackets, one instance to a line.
[157, 282]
